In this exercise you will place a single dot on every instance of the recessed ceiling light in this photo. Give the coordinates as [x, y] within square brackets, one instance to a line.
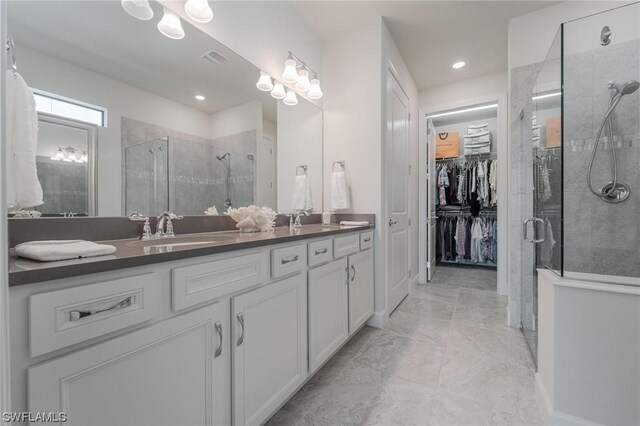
[459, 65]
[200, 97]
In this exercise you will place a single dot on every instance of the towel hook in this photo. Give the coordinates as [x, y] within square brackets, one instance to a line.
[304, 168]
[10, 50]
[340, 163]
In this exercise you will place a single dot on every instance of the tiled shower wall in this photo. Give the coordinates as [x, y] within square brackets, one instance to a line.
[64, 186]
[600, 237]
[196, 178]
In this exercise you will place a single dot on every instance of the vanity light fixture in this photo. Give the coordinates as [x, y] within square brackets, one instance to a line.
[458, 65]
[314, 90]
[198, 10]
[139, 9]
[84, 158]
[264, 83]
[200, 97]
[291, 98]
[278, 91]
[170, 25]
[290, 73]
[59, 155]
[303, 85]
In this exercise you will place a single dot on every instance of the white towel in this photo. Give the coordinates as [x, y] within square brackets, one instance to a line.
[23, 186]
[301, 197]
[339, 191]
[47, 251]
[354, 223]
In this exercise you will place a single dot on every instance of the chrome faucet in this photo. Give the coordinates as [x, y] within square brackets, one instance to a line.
[164, 220]
[294, 219]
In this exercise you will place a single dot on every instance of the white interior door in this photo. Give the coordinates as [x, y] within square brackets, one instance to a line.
[397, 192]
[267, 172]
[432, 219]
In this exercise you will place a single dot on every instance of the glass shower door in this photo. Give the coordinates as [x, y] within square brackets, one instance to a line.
[542, 228]
[146, 170]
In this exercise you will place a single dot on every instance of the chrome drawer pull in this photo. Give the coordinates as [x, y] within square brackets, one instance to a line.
[241, 321]
[323, 251]
[76, 315]
[219, 330]
[289, 260]
[353, 276]
[366, 240]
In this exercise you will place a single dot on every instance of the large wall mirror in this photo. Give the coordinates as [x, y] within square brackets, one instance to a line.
[133, 121]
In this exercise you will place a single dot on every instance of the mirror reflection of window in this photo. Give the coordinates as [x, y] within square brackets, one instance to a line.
[63, 162]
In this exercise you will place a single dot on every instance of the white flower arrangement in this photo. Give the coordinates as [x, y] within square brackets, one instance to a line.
[253, 218]
[211, 211]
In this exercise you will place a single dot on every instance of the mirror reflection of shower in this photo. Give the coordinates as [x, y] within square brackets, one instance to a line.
[226, 160]
[614, 191]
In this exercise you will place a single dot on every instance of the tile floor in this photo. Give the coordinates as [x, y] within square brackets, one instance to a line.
[446, 357]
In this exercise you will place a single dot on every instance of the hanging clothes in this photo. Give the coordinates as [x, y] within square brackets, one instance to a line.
[467, 239]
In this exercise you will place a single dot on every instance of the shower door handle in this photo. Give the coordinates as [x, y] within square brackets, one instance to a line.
[525, 229]
[535, 230]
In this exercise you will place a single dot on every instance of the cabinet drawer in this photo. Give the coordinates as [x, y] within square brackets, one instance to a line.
[65, 317]
[366, 240]
[320, 252]
[205, 282]
[287, 260]
[344, 246]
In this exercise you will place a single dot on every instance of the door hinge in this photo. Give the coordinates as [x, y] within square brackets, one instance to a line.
[409, 221]
[409, 273]
[409, 117]
[428, 265]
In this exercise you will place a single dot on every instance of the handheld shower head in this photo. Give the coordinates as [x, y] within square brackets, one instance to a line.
[625, 89]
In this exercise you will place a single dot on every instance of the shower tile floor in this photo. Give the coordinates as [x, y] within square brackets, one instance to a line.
[446, 357]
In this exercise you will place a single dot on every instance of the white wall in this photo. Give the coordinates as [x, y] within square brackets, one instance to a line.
[262, 32]
[241, 118]
[299, 136]
[473, 88]
[352, 124]
[49, 74]
[531, 35]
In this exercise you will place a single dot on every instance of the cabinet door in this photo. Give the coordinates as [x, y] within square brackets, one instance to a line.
[269, 348]
[328, 311]
[175, 372]
[360, 289]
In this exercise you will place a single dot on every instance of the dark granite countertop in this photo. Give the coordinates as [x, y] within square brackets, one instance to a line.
[132, 252]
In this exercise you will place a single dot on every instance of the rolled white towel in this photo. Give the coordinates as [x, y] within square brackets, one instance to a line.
[301, 196]
[48, 251]
[354, 223]
[339, 191]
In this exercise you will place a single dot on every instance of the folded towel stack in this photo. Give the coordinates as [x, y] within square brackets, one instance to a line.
[48, 251]
[339, 191]
[301, 197]
[354, 223]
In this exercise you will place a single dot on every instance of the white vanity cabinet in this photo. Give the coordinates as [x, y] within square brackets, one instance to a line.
[360, 289]
[210, 340]
[328, 311]
[175, 372]
[269, 348]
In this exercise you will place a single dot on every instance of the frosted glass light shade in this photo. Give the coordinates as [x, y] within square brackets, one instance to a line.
[139, 9]
[198, 10]
[302, 85]
[290, 74]
[264, 83]
[170, 25]
[291, 98]
[314, 90]
[278, 91]
[59, 155]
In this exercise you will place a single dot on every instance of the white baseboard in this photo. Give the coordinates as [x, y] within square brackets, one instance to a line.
[552, 417]
[378, 319]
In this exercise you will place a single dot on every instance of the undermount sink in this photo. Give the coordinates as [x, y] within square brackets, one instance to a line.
[184, 240]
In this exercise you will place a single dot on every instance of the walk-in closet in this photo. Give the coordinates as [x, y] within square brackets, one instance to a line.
[461, 190]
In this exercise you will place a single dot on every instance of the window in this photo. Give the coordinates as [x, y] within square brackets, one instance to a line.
[68, 108]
